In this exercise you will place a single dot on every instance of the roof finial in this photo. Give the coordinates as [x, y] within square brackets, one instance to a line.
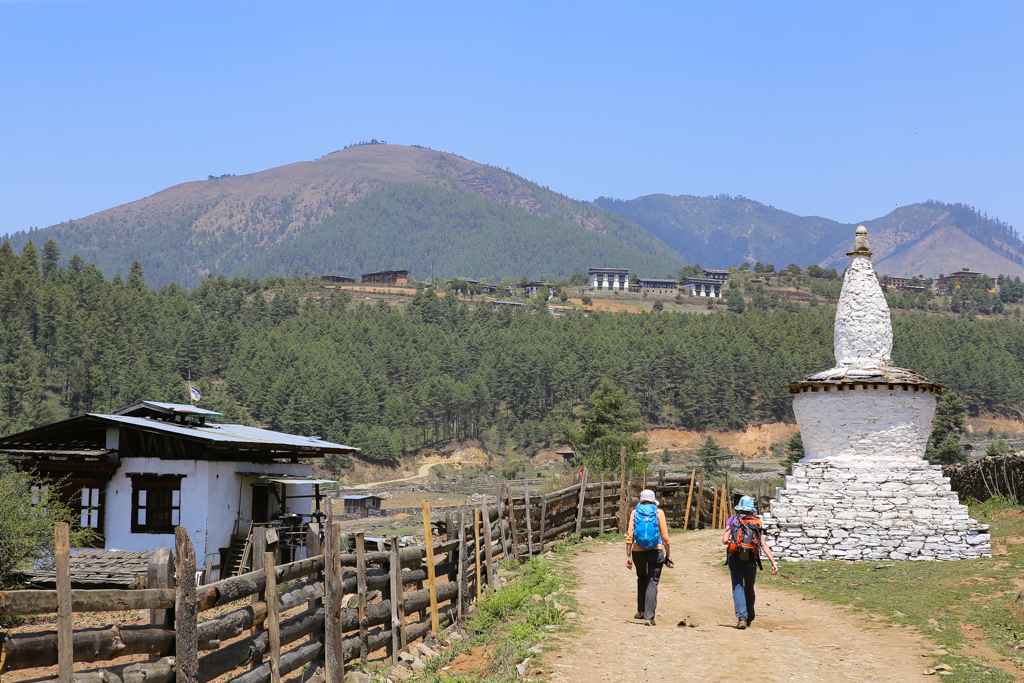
[860, 243]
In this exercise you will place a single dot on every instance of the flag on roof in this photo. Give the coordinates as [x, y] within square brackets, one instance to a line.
[196, 396]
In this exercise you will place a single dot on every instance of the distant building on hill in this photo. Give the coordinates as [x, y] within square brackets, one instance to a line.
[362, 504]
[386, 277]
[338, 279]
[609, 278]
[531, 288]
[718, 275]
[483, 286]
[701, 286]
[507, 304]
[657, 284]
[954, 280]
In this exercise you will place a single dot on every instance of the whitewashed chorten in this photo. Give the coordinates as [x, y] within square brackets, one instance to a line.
[863, 491]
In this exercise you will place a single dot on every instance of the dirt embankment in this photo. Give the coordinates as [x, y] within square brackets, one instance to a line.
[745, 442]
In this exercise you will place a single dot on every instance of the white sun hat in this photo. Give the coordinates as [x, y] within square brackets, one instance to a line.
[647, 496]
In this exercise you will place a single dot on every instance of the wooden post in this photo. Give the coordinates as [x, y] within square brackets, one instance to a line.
[399, 594]
[728, 500]
[601, 524]
[512, 523]
[689, 498]
[395, 573]
[583, 495]
[65, 633]
[661, 477]
[526, 512]
[273, 617]
[160, 574]
[449, 524]
[428, 540]
[623, 510]
[543, 519]
[334, 653]
[700, 501]
[361, 588]
[492, 582]
[186, 610]
[714, 506]
[312, 550]
[463, 588]
[479, 555]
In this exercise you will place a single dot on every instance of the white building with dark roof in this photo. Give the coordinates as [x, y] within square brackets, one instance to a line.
[616, 279]
[136, 474]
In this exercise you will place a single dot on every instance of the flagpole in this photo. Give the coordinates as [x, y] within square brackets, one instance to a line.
[190, 401]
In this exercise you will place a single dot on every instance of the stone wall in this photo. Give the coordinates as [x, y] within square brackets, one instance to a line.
[863, 422]
[890, 509]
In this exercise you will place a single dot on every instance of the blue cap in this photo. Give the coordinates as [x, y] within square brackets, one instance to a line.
[746, 504]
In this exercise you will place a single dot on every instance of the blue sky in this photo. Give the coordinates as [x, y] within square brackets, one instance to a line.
[843, 110]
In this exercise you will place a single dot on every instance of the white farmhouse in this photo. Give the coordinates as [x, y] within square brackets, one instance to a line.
[136, 474]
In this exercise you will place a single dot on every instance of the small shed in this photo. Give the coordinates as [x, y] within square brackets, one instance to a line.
[361, 503]
[338, 279]
[386, 277]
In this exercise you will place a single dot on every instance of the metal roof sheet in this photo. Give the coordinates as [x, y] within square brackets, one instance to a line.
[228, 433]
[171, 407]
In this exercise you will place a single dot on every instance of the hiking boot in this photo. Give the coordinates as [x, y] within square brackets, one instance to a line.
[649, 622]
[750, 623]
[638, 615]
[741, 624]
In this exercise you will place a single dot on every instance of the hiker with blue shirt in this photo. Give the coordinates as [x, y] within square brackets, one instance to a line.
[647, 547]
[745, 539]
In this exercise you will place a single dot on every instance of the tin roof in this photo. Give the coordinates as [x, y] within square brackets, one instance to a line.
[167, 408]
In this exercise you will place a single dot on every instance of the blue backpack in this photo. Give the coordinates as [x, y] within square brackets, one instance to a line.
[646, 534]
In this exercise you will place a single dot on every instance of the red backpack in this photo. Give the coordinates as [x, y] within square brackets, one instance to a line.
[746, 539]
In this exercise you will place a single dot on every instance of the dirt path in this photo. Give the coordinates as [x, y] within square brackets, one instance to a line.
[793, 639]
[424, 469]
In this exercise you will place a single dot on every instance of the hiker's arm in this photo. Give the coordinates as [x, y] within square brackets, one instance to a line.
[629, 543]
[768, 553]
[663, 530]
[727, 535]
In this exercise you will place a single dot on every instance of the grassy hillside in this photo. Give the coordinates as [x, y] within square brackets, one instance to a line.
[187, 231]
[929, 238]
[412, 226]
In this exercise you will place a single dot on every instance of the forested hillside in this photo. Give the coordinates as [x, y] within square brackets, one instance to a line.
[296, 356]
[928, 238]
[221, 224]
[416, 226]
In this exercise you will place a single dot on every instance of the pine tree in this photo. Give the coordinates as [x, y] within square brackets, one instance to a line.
[794, 450]
[710, 454]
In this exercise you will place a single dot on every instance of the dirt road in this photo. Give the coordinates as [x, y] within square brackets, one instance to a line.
[793, 639]
[424, 469]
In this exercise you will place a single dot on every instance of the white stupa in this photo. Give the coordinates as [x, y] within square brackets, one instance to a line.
[863, 491]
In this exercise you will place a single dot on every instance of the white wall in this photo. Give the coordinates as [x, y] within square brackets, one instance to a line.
[213, 496]
[864, 423]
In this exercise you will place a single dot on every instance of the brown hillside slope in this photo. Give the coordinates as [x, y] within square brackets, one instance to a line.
[945, 250]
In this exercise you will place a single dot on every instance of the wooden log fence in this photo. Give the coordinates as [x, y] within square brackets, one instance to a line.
[273, 630]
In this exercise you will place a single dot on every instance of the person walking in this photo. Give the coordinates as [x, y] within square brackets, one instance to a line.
[745, 539]
[647, 548]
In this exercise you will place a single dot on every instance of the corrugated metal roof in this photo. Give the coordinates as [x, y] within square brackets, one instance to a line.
[362, 497]
[171, 407]
[226, 433]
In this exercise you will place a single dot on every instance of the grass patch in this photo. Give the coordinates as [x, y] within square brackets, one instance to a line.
[510, 622]
[974, 609]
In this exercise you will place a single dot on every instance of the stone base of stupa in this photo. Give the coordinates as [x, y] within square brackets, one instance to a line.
[871, 509]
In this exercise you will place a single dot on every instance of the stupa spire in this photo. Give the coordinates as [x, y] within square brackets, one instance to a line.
[863, 328]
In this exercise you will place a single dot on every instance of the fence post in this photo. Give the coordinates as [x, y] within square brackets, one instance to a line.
[700, 500]
[529, 525]
[186, 610]
[312, 550]
[689, 498]
[394, 574]
[476, 543]
[583, 496]
[259, 549]
[600, 531]
[428, 540]
[160, 574]
[501, 523]
[512, 523]
[334, 653]
[491, 580]
[463, 588]
[714, 506]
[273, 617]
[728, 501]
[65, 633]
[398, 593]
[622, 494]
[364, 645]
[543, 519]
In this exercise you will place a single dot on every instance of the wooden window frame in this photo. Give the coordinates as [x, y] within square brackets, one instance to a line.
[158, 484]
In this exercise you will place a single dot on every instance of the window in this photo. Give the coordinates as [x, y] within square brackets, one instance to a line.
[156, 503]
[90, 509]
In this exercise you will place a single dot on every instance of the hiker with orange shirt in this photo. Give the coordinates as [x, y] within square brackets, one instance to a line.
[647, 547]
[745, 539]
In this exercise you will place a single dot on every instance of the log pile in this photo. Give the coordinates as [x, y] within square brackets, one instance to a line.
[1001, 475]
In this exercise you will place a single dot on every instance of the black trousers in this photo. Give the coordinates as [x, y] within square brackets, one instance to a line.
[648, 565]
